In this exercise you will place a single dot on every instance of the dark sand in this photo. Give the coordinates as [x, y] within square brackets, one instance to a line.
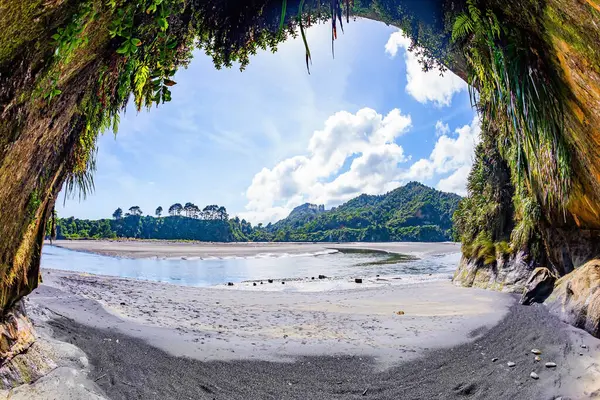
[131, 369]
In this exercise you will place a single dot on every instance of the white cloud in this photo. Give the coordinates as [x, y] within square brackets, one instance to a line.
[457, 182]
[450, 155]
[365, 140]
[441, 129]
[430, 86]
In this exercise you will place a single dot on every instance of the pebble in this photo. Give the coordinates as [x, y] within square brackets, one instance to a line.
[536, 351]
[550, 365]
[511, 364]
[583, 346]
[534, 375]
[538, 358]
[358, 280]
[494, 359]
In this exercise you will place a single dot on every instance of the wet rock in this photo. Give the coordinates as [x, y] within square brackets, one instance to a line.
[576, 298]
[533, 375]
[550, 365]
[270, 280]
[322, 277]
[511, 364]
[254, 283]
[539, 286]
[313, 278]
[282, 282]
[536, 351]
[358, 280]
[229, 283]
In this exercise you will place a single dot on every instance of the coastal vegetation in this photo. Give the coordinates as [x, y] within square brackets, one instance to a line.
[413, 212]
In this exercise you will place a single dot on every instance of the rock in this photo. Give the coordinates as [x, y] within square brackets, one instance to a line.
[494, 359]
[254, 283]
[576, 298]
[312, 278]
[261, 282]
[506, 274]
[123, 303]
[282, 282]
[534, 375]
[322, 277]
[583, 346]
[229, 283]
[538, 358]
[511, 364]
[358, 280]
[539, 286]
[550, 365]
[399, 312]
[536, 351]
[270, 280]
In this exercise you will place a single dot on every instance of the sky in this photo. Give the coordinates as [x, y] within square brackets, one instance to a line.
[263, 141]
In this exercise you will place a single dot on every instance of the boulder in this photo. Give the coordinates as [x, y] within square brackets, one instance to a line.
[539, 286]
[505, 274]
[576, 298]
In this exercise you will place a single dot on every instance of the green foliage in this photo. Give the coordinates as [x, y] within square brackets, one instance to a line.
[514, 89]
[410, 213]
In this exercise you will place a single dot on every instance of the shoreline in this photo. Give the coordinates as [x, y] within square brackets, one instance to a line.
[174, 249]
[249, 346]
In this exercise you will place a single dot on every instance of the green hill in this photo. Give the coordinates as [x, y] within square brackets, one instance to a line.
[413, 212]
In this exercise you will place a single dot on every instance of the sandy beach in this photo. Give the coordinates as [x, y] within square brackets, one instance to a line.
[434, 340]
[168, 249]
[155, 340]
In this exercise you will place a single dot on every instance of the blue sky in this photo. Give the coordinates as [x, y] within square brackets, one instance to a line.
[267, 139]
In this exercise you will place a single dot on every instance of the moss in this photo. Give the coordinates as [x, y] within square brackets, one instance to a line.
[568, 32]
[18, 26]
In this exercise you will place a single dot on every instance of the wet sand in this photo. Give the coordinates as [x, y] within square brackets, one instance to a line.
[168, 249]
[159, 341]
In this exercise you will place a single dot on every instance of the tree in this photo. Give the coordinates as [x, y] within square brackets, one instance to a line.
[118, 214]
[135, 210]
[190, 209]
[158, 211]
[175, 209]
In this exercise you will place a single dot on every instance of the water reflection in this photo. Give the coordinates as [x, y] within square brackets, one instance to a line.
[214, 271]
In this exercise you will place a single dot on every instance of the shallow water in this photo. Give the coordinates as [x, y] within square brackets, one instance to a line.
[217, 271]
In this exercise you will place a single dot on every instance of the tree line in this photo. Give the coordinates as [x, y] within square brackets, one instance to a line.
[413, 212]
[190, 210]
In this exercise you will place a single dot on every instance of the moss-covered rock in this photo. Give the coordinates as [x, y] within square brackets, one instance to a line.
[505, 274]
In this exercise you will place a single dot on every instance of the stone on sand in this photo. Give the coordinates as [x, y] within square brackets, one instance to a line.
[536, 351]
[550, 365]
[511, 364]
[534, 375]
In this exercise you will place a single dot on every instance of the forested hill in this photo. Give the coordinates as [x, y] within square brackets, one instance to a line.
[413, 212]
